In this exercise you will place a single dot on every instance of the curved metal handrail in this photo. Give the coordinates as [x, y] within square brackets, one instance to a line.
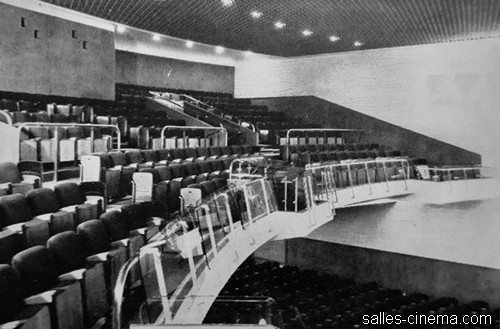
[7, 116]
[121, 281]
[405, 164]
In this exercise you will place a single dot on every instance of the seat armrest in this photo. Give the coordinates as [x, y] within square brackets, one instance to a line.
[45, 297]
[32, 168]
[72, 276]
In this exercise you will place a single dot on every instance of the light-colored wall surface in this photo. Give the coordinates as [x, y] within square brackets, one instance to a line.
[55, 63]
[447, 91]
[144, 70]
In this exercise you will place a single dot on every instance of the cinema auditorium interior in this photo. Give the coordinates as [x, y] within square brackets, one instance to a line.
[291, 164]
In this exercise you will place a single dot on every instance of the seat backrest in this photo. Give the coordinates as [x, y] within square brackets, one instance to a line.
[132, 215]
[39, 132]
[11, 302]
[64, 109]
[116, 226]
[7, 104]
[190, 153]
[143, 186]
[14, 209]
[76, 132]
[226, 150]
[41, 116]
[68, 194]
[164, 173]
[149, 155]
[178, 154]
[202, 152]
[154, 172]
[236, 149]
[118, 159]
[203, 167]
[178, 170]
[215, 150]
[10, 173]
[36, 269]
[246, 149]
[207, 188]
[219, 183]
[163, 154]
[68, 250]
[133, 156]
[42, 201]
[94, 235]
[191, 168]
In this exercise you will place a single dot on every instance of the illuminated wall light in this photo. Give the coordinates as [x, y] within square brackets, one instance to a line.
[120, 29]
[334, 38]
[358, 43]
[227, 3]
[264, 132]
[307, 33]
[279, 25]
[189, 44]
[248, 53]
[256, 14]
[156, 37]
[219, 49]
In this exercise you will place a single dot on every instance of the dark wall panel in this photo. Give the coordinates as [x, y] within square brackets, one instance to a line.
[54, 62]
[144, 70]
[330, 115]
[391, 270]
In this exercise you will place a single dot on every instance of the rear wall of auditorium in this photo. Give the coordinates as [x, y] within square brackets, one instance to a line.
[448, 91]
[42, 54]
[153, 71]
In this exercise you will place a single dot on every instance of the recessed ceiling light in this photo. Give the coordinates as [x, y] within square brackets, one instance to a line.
[227, 3]
[120, 29]
[307, 33]
[279, 25]
[358, 43]
[219, 49]
[256, 14]
[156, 37]
[189, 44]
[334, 38]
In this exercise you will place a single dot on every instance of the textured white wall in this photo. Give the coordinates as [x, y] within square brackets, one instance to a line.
[447, 91]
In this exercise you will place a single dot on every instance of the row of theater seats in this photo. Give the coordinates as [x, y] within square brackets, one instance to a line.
[55, 113]
[76, 269]
[302, 159]
[30, 219]
[310, 299]
[150, 137]
[236, 110]
[116, 169]
[37, 143]
[19, 178]
[330, 146]
[140, 116]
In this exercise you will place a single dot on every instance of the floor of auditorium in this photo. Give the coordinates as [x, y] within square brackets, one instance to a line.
[465, 232]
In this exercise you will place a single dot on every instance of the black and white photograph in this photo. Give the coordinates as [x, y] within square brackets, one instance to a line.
[279, 164]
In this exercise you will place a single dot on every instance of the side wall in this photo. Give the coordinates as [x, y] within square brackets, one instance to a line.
[408, 273]
[152, 71]
[329, 115]
[55, 63]
[447, 91]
